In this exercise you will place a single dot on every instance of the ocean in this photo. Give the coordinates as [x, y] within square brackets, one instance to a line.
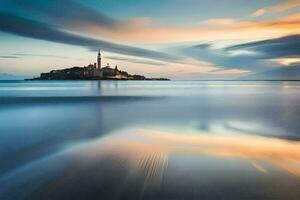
[149, 140]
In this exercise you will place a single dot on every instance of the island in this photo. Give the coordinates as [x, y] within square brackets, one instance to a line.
[92, 72]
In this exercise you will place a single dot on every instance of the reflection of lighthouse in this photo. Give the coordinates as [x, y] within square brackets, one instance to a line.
[99, 60]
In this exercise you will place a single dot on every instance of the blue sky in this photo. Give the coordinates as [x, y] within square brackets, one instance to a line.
[179, 39]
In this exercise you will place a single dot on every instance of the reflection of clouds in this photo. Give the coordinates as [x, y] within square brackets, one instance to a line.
[148, 150]
[282, 153]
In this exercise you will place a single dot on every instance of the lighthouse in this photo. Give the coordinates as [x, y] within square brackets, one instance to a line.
[99, 60]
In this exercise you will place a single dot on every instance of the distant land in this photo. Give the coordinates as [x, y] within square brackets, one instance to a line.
[92, 72]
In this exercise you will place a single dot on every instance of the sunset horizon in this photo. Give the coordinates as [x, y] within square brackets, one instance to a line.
[181, 41]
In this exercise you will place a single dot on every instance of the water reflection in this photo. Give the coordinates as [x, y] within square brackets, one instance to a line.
[147, 161]
[152, 148]
[149, 140]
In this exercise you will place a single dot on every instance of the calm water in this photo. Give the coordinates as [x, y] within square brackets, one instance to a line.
[149, 140]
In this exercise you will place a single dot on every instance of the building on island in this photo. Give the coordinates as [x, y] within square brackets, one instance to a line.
[91, 72]
[99, 60]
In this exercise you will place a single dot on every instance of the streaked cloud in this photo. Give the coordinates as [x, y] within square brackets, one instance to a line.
[219, 22]
[287, 61]
[33, 29]
[258, 12]
[288, 46]
[38, 55]
[9, 56]
[218, 29]
[285, 5]
[68, 13]
[134, 60]
[247, 59]
[146, 30]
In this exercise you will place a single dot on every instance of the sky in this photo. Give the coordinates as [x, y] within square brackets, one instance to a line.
[177, 39]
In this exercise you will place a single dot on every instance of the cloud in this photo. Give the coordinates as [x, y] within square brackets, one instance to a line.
[219, 22]
[67, 13]
[283, 6]
[258, 12]
[38, 55]
[33, 29]
[134, 60]
[221, 58]
[9, 57]
[287, 61]
[253, 57]
[74, 15]
[288, 46]
[79, 18]
[212, 29]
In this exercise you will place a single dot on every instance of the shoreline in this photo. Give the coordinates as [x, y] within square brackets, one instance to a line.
[155, 79]
[164, 79]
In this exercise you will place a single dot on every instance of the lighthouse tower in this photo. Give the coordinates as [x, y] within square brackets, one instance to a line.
[99, 60]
